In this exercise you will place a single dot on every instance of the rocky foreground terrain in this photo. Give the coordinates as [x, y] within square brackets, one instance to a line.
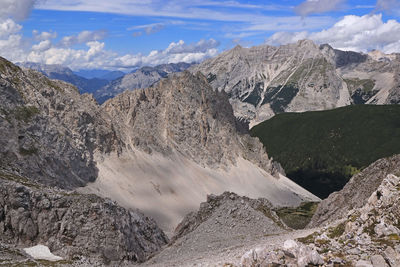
[229, 230]
[74, 226]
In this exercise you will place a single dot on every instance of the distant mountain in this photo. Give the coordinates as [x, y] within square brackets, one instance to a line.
[113, 75]
[321, 150]
[141, 78]
[67, 75]
[100, 74]
[266, 80]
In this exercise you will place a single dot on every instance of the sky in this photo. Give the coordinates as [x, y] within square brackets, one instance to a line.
[127, 34]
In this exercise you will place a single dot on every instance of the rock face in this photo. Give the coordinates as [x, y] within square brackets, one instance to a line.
[141, 78]
[356, 192]
[160, 149]
[184, 114]
[74, 225]
[49, 131]
[181, 143]
[65, 74]
[367, 236]
[266, 80]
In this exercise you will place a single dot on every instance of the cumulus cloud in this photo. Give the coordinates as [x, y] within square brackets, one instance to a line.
[9, 27]
[42, 36]
[200, 47]
[318, 6]
[83, 37]
[16, 9]
[358, 33]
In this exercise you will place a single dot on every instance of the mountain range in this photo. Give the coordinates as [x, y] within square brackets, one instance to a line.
[85, 180]
[160, 149]
[266, 80]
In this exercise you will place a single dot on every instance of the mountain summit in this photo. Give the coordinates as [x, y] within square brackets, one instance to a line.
[265, 80]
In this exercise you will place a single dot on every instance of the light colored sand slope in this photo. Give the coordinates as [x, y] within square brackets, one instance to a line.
[168, 188]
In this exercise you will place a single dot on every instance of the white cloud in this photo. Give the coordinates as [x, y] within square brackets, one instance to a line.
[42, 36]
[9, 27]
[83, 37]
[318, 6]
[200, 47]
[358, 33]
[17, 9]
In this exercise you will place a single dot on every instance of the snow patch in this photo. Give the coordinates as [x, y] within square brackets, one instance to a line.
[41, 252]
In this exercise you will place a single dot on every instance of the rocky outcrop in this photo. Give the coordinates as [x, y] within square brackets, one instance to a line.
[265, 80]
[74, 225]
[356, 192]
[222, 223]
[139, 79]
[49, 131]
[236, 213]
[367, 236]
[184, 114]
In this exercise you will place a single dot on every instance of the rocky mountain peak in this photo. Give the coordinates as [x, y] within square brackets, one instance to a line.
[189, 117]
[266, 80]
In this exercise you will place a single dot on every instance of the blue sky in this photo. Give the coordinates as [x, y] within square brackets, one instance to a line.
[123, 34]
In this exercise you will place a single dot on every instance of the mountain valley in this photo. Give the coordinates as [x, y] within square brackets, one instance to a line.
[165, 171]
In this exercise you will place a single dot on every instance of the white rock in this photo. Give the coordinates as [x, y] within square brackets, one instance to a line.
[41, 252]
[378, 261]
[362, 263]
[290, 244]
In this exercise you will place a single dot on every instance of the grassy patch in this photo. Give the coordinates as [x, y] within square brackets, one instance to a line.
[370, 230]
[18, 179]
[336, 231]
[299, 217]
[268, 213]
[307, 239]
[25, 113]
[365, 85]
[321, 150]
[394, 237]
[28, 152]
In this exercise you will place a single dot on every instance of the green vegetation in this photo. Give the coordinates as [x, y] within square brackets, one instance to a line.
[298, 218]
[18, 179]
[28, 152]
[25, 113]
[308, 239]
[336, 231]
[321, 150]
[365, 85]
[5, 64]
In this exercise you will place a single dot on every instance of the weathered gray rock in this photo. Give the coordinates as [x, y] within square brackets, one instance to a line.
[292, 254]
[74, 225]
[392, 257]
[356, 192]
[49, 131]
[265, 80]
[183, 113]
[378, 261]
[363, 263]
